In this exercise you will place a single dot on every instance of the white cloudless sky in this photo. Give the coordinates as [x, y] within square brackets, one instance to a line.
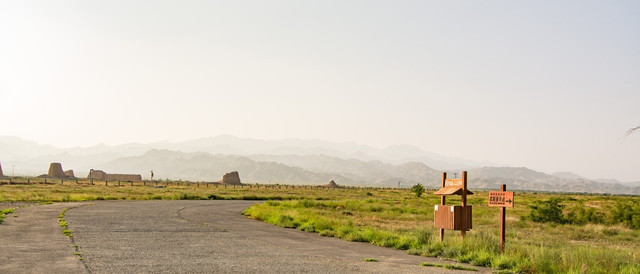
[550, 85]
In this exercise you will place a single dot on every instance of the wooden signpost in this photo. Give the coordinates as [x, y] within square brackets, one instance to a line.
[502, 199]
[453, 217]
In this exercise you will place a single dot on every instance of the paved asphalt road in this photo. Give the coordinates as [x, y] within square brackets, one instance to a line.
[180, 237]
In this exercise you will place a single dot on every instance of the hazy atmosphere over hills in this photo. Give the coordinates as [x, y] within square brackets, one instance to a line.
[290, 162]
[551, 86]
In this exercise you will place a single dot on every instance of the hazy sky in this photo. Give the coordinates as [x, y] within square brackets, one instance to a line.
[551, 85]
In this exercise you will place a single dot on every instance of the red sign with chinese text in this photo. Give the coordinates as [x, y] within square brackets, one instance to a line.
[501, 198]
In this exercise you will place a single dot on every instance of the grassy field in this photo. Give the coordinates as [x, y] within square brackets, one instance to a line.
[588, 238]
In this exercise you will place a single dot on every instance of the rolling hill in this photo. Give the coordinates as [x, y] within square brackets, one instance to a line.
[292, 161]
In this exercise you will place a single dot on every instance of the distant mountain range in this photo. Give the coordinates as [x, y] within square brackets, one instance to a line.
[291, 161]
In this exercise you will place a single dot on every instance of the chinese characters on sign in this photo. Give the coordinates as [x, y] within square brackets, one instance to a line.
[501, 198]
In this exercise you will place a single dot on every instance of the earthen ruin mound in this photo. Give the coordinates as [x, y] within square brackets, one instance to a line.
[103, 176]
[69, 173]
[55, 171]
[332, 184]
[231, 178]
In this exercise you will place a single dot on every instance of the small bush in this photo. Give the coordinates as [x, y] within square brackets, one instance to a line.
[549, 211]
[627, 214]
[581, 216]
[417, 190]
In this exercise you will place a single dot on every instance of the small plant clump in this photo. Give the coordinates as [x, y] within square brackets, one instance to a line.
[67, 233]
[63, 223]
[549, 211]
[5, 212]
[417, 190]
[370, 260]
[450, 266]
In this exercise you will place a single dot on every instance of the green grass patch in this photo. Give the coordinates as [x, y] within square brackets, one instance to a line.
[67, 233]
[370, 259]
[63, 223]
[450, 266]
[4, 212]
[403, 221]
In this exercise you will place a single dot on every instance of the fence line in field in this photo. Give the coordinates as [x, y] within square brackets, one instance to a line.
[155, 183]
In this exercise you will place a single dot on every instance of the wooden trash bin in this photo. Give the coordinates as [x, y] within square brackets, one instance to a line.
[452, 217]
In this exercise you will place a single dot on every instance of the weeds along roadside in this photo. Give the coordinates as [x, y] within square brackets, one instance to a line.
[405, 223]
[67, 232]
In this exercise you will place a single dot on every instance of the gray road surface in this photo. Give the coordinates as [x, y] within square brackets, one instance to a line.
[31, 241]
[187, 237]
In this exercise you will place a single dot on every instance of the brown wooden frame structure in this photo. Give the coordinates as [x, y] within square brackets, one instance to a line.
[453, 217]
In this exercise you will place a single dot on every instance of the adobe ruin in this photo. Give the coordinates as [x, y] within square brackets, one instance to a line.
[55, 171]
[332, 184]
[69, 173]
[103, 176]
[231, 178]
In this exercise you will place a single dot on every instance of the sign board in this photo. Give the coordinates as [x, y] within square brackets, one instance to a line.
[501, 198]
[453, 182]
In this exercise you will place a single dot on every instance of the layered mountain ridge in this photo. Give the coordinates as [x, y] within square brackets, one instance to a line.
[293, 161]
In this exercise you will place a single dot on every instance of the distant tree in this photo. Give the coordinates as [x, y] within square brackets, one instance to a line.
[418, 190]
